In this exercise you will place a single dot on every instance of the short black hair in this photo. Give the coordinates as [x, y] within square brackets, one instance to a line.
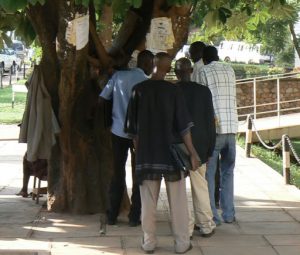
[162, 61]
[162, 55]
[196, 51]
[198, 45]
[210, 53]
[144, 55]
[183, 64]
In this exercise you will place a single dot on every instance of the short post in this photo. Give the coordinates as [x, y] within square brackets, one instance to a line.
[248, 136]
[286, 160]
[10, 74]
[17, 74]
[1, 82]
[12, 97]
[24, 70]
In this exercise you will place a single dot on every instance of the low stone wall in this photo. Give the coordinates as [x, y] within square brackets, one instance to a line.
[266, 93]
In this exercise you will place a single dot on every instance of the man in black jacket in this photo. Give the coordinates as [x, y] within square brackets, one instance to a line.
[155, 114]
[200, 106]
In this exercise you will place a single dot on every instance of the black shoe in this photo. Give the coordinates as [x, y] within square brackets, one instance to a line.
[111, 222]
[230, 221]
[134, 223]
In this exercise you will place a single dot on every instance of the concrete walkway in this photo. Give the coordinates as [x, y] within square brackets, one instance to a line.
[268, 219]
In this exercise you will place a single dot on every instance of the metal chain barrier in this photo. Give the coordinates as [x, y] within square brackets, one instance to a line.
[261, 140]
[292, 149]
[286, 143]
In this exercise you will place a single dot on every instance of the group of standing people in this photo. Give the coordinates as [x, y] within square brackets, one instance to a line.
[150, 114]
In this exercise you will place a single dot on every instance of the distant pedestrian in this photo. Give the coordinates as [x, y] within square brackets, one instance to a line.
[200, 106]
[220, 79]
[156, 113]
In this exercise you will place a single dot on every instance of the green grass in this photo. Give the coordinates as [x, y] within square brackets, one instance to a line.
[296, 145]
[9, 115]
[272, 159]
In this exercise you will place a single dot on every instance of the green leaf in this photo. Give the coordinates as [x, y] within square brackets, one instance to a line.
[1, 41]
[13, 5]
[222, 16]
[248, 10]
[85, 3]
[34, 2]
[233, 3]
[119, 6]
[211, 18]
[98, 4]
[251, 26]
[25, 30]
[135, 3]
[226, 12]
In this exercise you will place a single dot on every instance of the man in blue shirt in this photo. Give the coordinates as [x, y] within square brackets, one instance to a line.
[118, 89]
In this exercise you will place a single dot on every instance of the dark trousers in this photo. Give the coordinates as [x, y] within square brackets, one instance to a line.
[120, 148]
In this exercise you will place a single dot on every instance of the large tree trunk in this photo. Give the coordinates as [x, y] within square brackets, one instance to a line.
[81, 162]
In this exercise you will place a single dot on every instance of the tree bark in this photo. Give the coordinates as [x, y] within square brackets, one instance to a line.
[80, 163]
[106, 26]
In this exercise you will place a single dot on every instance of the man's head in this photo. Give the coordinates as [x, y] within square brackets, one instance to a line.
[145, 61]
[162, 62]
[196, 51]
[210, 54]
[183, 69]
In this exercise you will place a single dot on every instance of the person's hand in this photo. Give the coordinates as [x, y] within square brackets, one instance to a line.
[195, 161]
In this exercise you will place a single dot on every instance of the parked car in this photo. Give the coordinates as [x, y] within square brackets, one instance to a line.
[19, 49]
[236, 51]
[266, 59]
[9, 58]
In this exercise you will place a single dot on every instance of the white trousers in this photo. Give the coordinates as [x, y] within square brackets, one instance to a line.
[177, 198]
[202, 216]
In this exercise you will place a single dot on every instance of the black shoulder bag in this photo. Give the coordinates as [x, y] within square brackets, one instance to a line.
[181, 157]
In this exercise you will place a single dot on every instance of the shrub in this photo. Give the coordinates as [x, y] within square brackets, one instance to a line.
[275, 70]
[248, 71]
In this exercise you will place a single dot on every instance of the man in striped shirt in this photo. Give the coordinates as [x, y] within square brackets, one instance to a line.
[220, 79]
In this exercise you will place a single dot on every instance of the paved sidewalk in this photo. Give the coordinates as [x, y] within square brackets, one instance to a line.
[268, 219]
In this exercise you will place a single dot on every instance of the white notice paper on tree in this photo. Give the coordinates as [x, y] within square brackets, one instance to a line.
[82, 31]
[77, 32]
[161, 37]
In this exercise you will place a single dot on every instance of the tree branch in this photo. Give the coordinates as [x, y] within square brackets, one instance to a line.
[104, 59]
[125, 32]
[294, 38]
